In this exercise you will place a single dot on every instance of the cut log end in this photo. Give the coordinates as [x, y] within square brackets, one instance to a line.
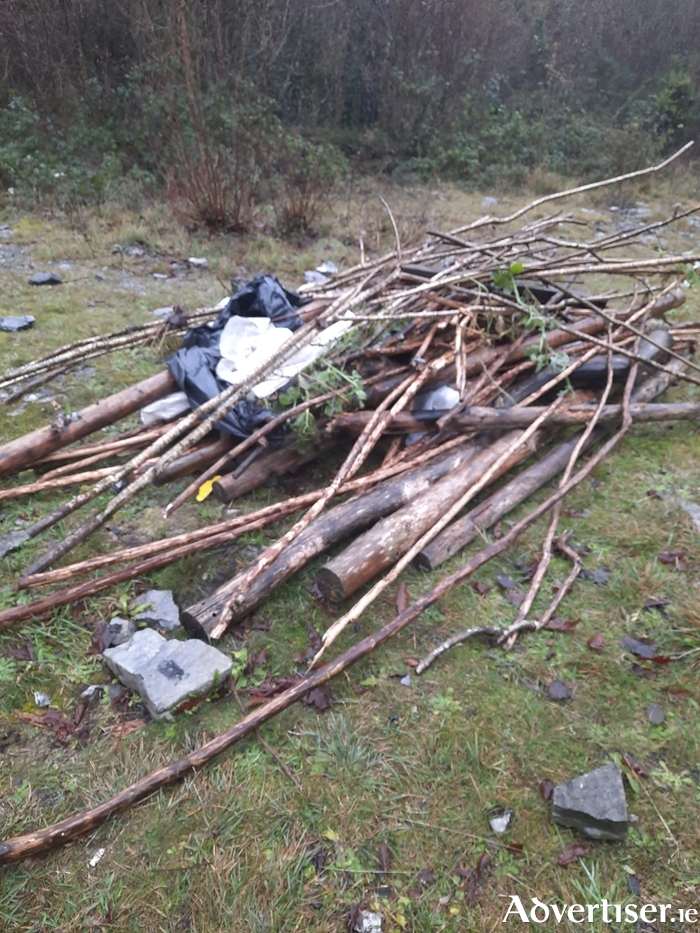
[331, 585]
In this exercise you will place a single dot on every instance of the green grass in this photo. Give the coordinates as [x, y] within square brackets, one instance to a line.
[239, 846]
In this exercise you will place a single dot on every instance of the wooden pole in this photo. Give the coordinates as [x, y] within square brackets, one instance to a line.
[506, 419]
[25, 451]
[272, 463]
[340, 522]
[389, 539]
[462, 532]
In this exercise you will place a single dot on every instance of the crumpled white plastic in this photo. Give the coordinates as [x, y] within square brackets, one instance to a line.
[248, 342]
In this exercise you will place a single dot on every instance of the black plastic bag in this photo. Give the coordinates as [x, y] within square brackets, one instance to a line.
[194, 365]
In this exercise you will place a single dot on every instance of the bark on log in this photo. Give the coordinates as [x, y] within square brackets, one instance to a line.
[469, 526]
[389, 539]
[506, 419]
[24, 451]
[340, 522]
[198, 459]
[273, 463]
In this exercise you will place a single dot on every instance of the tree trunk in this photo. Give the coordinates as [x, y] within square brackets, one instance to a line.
[24, 451]
[389, 539]
[272, 463]
[340, 522]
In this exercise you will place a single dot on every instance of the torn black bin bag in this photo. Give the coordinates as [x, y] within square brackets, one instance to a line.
[263, 296]
[194, 366]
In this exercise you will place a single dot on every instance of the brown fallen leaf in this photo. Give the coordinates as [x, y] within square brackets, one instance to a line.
[561, 625]
[572, 853]
[546, 789]
[23, 653]
[596, 642]
[320, 698]
[119, 730]
[384, 859]
[481, 588]
[635, 767]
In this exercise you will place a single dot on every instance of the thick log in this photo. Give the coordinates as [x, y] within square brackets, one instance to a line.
[390, 538]
[340, 522]
[272, 463]
[24, 451]
[462, 532]
[506, 419]
[194, 460]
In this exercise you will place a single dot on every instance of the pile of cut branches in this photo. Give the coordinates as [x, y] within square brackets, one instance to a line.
[481, 350]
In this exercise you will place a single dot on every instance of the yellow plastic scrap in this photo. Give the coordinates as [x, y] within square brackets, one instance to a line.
[206, 488]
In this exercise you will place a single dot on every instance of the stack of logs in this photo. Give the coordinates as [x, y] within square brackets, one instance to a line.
[543, 373]
[495, 316]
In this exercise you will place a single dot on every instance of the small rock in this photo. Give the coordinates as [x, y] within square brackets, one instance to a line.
[163, 312]
[368, 922]
[45, 278]
[655, 714]
[490, 202]
[160, 276]
[405, 680]
[11, 541]
[693, 511]
[118, 631]
[14, 322]
[198, 263]
[41, 699]
[558, 690]
[594, 803]
[158, 608]
[500, 821]
[166, 673]
[96, 858]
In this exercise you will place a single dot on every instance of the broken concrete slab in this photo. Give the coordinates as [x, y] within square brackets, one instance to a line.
[166, 673]
[14, 322]
[593, 803]
[158, 608]
[45, 278]
[118, 631]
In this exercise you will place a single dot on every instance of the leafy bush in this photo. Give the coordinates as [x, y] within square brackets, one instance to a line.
[309, 176]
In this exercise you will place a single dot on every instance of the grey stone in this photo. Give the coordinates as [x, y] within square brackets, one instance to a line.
[594, 803]
[118, 631]
[166, 673]
[693, 511]
[159, 609]
[14, 322]
[45, 278]
[12, 540]
[655, 714]
[490, 202]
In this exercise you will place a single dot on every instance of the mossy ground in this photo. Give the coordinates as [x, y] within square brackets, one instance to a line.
[239, 846]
